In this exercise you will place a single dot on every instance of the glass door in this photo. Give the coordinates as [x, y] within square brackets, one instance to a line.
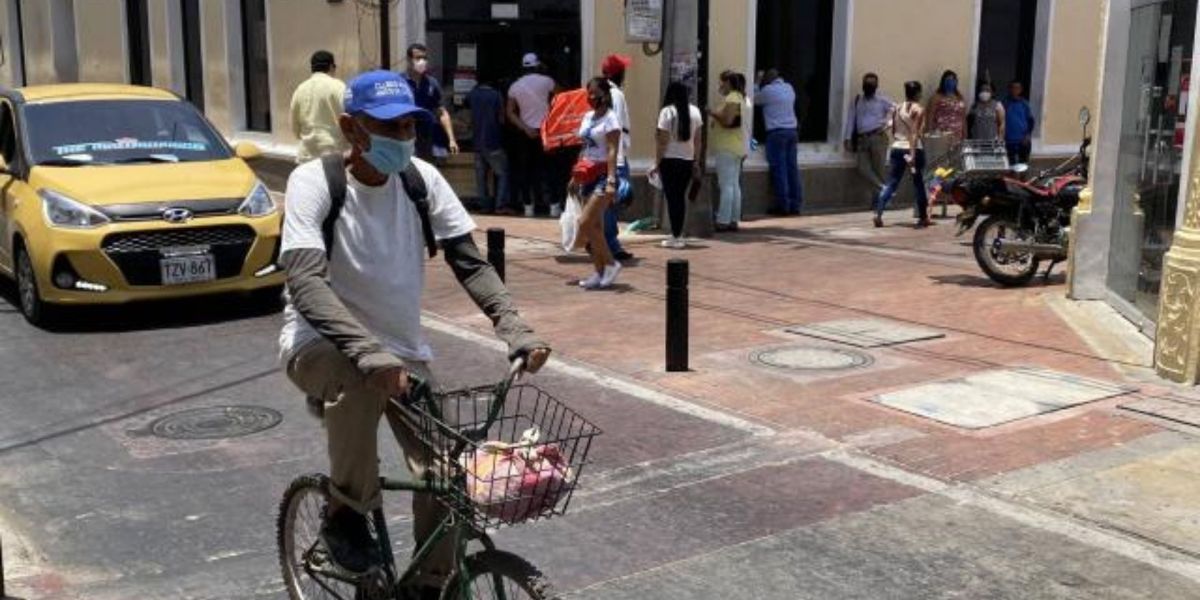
[1151, 148]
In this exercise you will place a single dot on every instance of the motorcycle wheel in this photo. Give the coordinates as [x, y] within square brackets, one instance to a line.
[1006, 270]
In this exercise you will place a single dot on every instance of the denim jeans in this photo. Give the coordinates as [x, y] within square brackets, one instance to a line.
[624, 195]
[897, 166]
[497, 162]
[729, 176]
[1018, 152]
[785, 171]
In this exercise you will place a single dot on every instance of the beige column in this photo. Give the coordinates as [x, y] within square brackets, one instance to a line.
[1177, 341]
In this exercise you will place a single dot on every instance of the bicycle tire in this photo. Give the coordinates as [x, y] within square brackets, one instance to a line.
[298, 583]
[496, 565]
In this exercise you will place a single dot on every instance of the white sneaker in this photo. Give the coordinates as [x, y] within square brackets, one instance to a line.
[555, 211]
[668, 243]
[610, 275]
[592, 282]
[529, 210]
[680, 243]
[674, 243]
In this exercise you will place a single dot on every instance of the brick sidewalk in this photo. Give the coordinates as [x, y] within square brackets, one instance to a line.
[746, 287]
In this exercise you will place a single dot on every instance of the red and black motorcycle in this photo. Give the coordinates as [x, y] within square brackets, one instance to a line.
[1026, 220]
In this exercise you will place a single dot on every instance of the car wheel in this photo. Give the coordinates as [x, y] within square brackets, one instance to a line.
[29, 298]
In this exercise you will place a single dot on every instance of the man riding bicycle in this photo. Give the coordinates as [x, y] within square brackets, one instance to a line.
[354, 235]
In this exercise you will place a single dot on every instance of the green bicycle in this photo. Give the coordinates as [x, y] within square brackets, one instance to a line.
[503, 454]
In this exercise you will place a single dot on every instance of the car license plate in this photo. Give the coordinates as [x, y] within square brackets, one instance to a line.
[188, 269]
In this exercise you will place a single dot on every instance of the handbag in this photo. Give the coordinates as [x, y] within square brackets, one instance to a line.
[569, 222]
[586, 171]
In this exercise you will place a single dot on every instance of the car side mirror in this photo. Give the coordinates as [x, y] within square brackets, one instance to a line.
[247, 151]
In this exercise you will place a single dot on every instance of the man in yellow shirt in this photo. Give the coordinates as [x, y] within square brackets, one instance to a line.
[316, 105]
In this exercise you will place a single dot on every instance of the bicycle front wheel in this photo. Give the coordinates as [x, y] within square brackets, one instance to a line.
[307, 570]
[496, 575]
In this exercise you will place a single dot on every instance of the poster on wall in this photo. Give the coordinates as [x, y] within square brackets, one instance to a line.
[643, 21]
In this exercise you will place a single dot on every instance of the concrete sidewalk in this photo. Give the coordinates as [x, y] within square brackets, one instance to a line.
[1021, 392]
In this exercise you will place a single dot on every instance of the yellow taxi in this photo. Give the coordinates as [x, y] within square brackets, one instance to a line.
[115, 193]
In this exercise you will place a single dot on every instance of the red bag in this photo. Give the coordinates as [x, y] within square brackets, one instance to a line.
[561, 127]
[586, 171]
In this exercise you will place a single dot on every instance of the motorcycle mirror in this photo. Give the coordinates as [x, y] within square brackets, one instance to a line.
[1085, 117]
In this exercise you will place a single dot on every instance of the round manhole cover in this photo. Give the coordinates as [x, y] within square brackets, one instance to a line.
[811, 358]
[215, 422]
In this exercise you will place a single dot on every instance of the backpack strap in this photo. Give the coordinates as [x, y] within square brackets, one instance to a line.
[335, 180]
[414, 188]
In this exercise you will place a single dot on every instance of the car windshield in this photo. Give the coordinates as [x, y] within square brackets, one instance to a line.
[97, 132]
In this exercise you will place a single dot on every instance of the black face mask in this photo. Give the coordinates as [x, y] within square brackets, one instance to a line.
[869, 89]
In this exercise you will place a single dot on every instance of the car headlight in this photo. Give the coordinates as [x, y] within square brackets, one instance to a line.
[61, 211]
[259, 203]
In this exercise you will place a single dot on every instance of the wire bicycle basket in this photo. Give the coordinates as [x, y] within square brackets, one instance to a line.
[505, 462]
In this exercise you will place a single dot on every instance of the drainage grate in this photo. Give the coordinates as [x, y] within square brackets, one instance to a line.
[215, 422]
[811, 358]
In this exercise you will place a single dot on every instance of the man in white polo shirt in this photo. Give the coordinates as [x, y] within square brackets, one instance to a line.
[352, 327]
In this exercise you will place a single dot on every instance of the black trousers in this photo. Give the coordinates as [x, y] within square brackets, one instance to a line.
[676, 173]
[528, 172]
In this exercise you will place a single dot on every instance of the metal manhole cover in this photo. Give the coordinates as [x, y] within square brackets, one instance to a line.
[215, 422]
[811, 358]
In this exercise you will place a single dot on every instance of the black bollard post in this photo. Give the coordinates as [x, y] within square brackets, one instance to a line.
[677, 315]
[495, 250]
[2, 594]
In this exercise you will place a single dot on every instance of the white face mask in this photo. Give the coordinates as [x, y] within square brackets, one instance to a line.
[985, 96]
[421, 65]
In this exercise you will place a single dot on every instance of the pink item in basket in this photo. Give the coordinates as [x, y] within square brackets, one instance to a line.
[514, 482]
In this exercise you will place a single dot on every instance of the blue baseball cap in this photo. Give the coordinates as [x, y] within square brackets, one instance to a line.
[382, 95]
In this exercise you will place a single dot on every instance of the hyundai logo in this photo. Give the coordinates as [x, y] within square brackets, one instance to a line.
[177, 215]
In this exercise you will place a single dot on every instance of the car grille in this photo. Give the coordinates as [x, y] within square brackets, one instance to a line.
[137, 253]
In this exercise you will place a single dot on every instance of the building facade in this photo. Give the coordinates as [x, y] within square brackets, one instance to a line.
[239, 60]
[1137, 246]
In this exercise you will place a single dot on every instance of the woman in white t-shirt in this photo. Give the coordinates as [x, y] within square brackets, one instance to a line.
[677, 160]
[594, 179]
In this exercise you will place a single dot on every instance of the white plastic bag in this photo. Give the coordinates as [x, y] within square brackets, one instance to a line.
[569, 221]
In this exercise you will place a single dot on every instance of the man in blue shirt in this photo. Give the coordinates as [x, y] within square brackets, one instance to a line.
[487, 112]
[1018, 124]
[428, 94]
[778, 101]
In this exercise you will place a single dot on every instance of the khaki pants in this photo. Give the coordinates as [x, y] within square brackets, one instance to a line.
[352, 412]
[872, 157]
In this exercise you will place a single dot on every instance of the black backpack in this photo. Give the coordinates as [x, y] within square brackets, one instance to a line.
[414, 188]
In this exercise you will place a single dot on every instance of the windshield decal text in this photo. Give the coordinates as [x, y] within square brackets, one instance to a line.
[129, 144]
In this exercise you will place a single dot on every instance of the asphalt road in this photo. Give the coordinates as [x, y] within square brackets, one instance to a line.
[682, 502]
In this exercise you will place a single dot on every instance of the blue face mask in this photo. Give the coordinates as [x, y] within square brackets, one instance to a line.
[388, 155]
[950, 86]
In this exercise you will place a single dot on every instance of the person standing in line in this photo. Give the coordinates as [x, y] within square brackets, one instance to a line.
[594, 178]
[907, 154]
[728, 142]
[487, 113]
[428, 94]
[613, 68]
[865, 132]
[1018, 124]
[947, 113]
[528, 103]
[778, 99]
[677, 155]
[986, 119]
[316, 105]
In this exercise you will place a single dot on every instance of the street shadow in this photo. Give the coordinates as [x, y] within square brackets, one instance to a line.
[982, 281]
[152, 315]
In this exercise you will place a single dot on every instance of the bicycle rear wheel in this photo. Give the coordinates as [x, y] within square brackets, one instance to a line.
[496, 575]
[307, 569]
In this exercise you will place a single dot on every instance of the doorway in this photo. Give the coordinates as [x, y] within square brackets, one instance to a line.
[1149, 167]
